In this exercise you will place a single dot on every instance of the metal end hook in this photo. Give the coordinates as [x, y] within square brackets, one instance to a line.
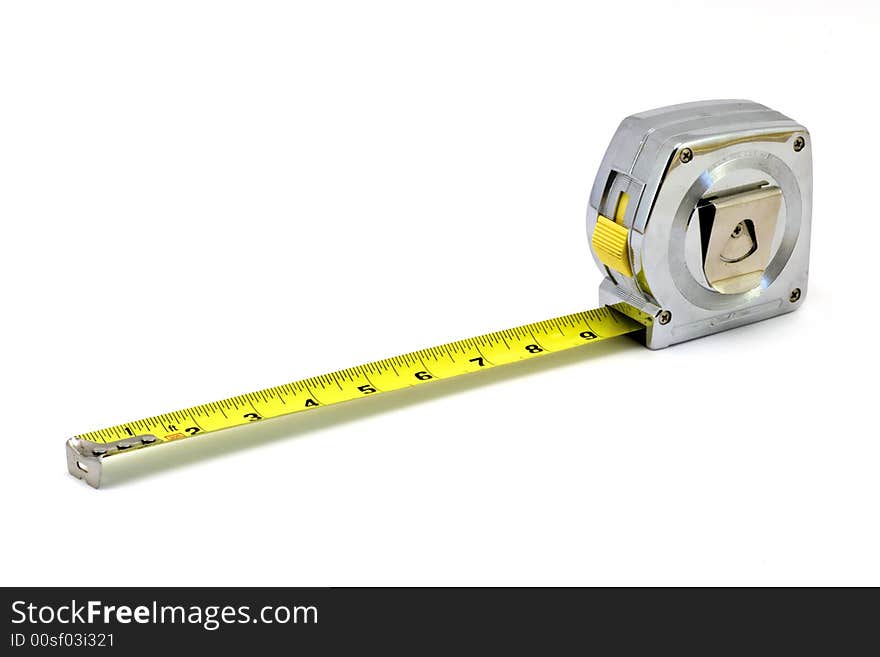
[83, 465]
[84, 457]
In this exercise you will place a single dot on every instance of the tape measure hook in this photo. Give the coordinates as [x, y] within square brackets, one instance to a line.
[84, 457]
[83, 465]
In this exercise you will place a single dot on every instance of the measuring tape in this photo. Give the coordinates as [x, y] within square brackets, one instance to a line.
[412, 369]
[734, 171]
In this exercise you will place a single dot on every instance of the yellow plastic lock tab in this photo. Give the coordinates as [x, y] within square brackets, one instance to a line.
[610, 245]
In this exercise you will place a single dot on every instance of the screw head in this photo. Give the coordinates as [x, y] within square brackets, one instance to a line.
[799, 144]
[686, 155]
[737, 230]
[664, 317]
[795, 295]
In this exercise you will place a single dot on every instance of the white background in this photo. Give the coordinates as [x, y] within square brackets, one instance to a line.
[199, 199]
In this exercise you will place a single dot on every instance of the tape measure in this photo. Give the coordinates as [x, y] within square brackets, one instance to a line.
[699, 219]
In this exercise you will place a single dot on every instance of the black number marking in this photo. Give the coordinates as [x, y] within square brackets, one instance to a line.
[128, 431]
[192, 431]
[253, 417]
[588, 335]
[172, 427]
[533, 349]
[367, 390]
[478, 360]
[423, 376]
[311, 402]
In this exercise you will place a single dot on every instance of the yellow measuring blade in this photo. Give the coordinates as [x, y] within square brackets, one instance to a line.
[446, 361]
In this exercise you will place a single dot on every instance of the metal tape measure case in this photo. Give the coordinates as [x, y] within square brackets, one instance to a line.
[700, 217]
